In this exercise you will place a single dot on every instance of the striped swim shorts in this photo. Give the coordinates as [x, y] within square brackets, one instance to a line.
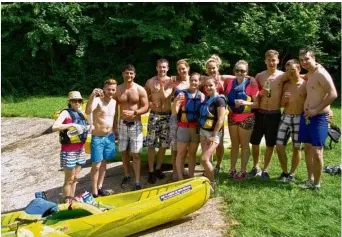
[69, 159]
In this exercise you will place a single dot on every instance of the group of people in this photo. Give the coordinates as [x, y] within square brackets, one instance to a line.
[188, 110]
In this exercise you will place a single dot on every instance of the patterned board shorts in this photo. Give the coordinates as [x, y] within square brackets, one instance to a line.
[246, 124]
[173, 132]
[130, 136]
[69, 159]
[158, 130]
[289, 126]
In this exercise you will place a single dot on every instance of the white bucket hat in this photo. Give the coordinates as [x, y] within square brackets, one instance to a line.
[74, 95]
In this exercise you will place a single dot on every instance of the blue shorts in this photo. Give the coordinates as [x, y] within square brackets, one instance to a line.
[102, 147]
[315, 132]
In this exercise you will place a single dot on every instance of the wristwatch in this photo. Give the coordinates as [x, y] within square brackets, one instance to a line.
[135, 112]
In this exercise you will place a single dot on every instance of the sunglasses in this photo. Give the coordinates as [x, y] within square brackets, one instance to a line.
[240, 70]
[77, 101]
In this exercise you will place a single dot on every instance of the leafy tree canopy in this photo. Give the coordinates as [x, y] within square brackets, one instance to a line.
[51, 48]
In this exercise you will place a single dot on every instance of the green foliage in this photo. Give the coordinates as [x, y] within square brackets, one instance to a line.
[49, 48]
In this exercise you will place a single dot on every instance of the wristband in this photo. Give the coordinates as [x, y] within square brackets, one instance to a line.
[135, 112]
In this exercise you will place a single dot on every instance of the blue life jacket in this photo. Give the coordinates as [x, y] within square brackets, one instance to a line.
[237, 92]
[189, 113]
[78, 118]
[41, 207]
[207, 119]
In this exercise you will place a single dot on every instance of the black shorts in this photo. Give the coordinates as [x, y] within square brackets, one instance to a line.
[266, 123]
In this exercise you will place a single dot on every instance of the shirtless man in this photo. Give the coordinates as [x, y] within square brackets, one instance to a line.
[103, 108]
[293, 98]
[159, 91]
[133, 102]
[321, 92]
[267, 117]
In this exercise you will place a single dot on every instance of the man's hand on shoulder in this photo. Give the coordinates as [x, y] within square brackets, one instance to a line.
[253, 81]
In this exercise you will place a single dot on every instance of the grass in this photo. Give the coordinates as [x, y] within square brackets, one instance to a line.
[253, 207]
[258, 208]
[42, 107]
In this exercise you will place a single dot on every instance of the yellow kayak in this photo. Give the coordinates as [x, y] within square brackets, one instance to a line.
[117, 215]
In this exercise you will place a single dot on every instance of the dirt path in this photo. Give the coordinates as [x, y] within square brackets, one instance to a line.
[30, 163]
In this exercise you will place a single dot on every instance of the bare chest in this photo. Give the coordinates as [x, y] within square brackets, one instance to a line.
[104, 108]
[155, 85]
[297, 91]
[129, 96]
[273, 81]
[313, 86]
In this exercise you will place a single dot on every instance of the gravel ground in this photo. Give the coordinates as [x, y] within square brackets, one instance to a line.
[30, 163]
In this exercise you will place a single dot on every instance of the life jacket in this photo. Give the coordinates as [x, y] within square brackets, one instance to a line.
[189, 113]
[207, 119]
[78, 118]
[238, 92]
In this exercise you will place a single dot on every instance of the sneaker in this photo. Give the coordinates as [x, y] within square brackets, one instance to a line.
[152, 178]
[240, 176]
[217, 170]
[138, 186]
[95, 195]
[159, 174]
[291, 178]
[307, 184]
[254, 172]
[316, 187]
[265, 176]
[232, 173]
[283, 177]
[126, 182]
[102, 192]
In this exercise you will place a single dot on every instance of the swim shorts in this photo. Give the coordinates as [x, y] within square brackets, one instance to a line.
[314, 130]
[289, 126]
[102, 147]
[188, 135]
[247, 123]
[69, 159]
[207, 134]
[130, 136]
[158, 130]
[266, 123]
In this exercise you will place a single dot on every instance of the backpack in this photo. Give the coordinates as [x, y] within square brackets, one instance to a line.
[237, 92]
[207, 119]
[78, 118]
[189, 113]
[334, 133]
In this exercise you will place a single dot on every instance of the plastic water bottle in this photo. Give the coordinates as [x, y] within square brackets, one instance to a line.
[72, 131]
[268, 87]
